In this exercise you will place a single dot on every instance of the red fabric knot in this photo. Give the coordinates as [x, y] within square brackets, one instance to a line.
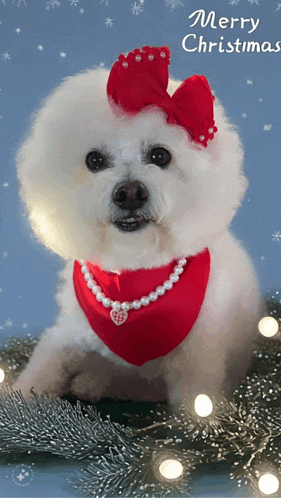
[140, 79]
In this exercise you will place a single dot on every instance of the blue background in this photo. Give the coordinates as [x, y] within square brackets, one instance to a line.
[43, 41]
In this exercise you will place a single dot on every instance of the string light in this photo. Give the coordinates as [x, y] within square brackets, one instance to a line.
[168, 465]
[2, 375]
[268, 326]
[171, 469]
[268, 484]
[203, 405]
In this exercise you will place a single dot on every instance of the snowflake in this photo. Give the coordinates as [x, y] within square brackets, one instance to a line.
[5, 184]
[5, 254]
[1, 290]
[254, 1]
[137, 9]
[279, 7]
[63, 55]
[109, 22]
[4, 2]
[24, 325]
[267, 127]
[6, 56]
[276, 236]
[73, 2]
[8, 323]
[19, 2]
[249, 82]
[40, 47]
[1, 327]
[262, 258]
[244, 115]
[52, 3]
[173, 3]
[18, 30]
[81, 11]
[106, 2]
[234, 2]
[260, 100]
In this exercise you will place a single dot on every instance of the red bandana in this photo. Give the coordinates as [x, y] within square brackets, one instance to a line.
[153, 330]
[140, 80]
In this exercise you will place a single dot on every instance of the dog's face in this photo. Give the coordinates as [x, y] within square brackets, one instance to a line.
[126, 191]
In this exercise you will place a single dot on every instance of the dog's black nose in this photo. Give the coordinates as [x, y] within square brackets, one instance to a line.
[130, 195]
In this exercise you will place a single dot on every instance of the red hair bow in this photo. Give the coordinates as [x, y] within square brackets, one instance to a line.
[140, 79]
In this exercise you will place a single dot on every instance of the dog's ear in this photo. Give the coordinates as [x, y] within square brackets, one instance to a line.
[48, 151]
[227, 149]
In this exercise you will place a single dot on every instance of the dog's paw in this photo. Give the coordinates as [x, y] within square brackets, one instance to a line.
[87, 386]
[28, 390]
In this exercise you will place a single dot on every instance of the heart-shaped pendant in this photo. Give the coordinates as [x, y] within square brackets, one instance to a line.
[118, 317]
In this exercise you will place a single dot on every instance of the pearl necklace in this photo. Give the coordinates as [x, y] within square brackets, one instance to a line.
[119, 311]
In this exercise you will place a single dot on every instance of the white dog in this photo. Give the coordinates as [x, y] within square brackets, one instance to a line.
[133, 189]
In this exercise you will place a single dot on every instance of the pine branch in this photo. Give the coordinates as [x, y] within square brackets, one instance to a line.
[54, 426]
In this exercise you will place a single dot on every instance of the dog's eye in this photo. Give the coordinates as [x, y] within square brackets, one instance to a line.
[160, 156]
[96, 161]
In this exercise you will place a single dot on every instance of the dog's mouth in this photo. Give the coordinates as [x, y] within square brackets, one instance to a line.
[131, 224]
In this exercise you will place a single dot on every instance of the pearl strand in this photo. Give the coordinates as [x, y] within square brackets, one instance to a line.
[137, 303]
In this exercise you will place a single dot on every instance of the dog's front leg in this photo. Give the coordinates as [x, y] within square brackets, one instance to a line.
[58, 366]
[194, 371]
[47, 369]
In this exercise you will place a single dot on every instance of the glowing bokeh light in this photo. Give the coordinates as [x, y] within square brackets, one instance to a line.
[2, 375]
[268, 484]
[268, 326]
[171, 469]
[203, 405]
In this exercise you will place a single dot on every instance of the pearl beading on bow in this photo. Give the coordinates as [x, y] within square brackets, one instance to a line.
[139, 58]
[140, 80]
[119, 311]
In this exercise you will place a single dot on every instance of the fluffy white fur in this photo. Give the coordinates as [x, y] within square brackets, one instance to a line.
[192, 202]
